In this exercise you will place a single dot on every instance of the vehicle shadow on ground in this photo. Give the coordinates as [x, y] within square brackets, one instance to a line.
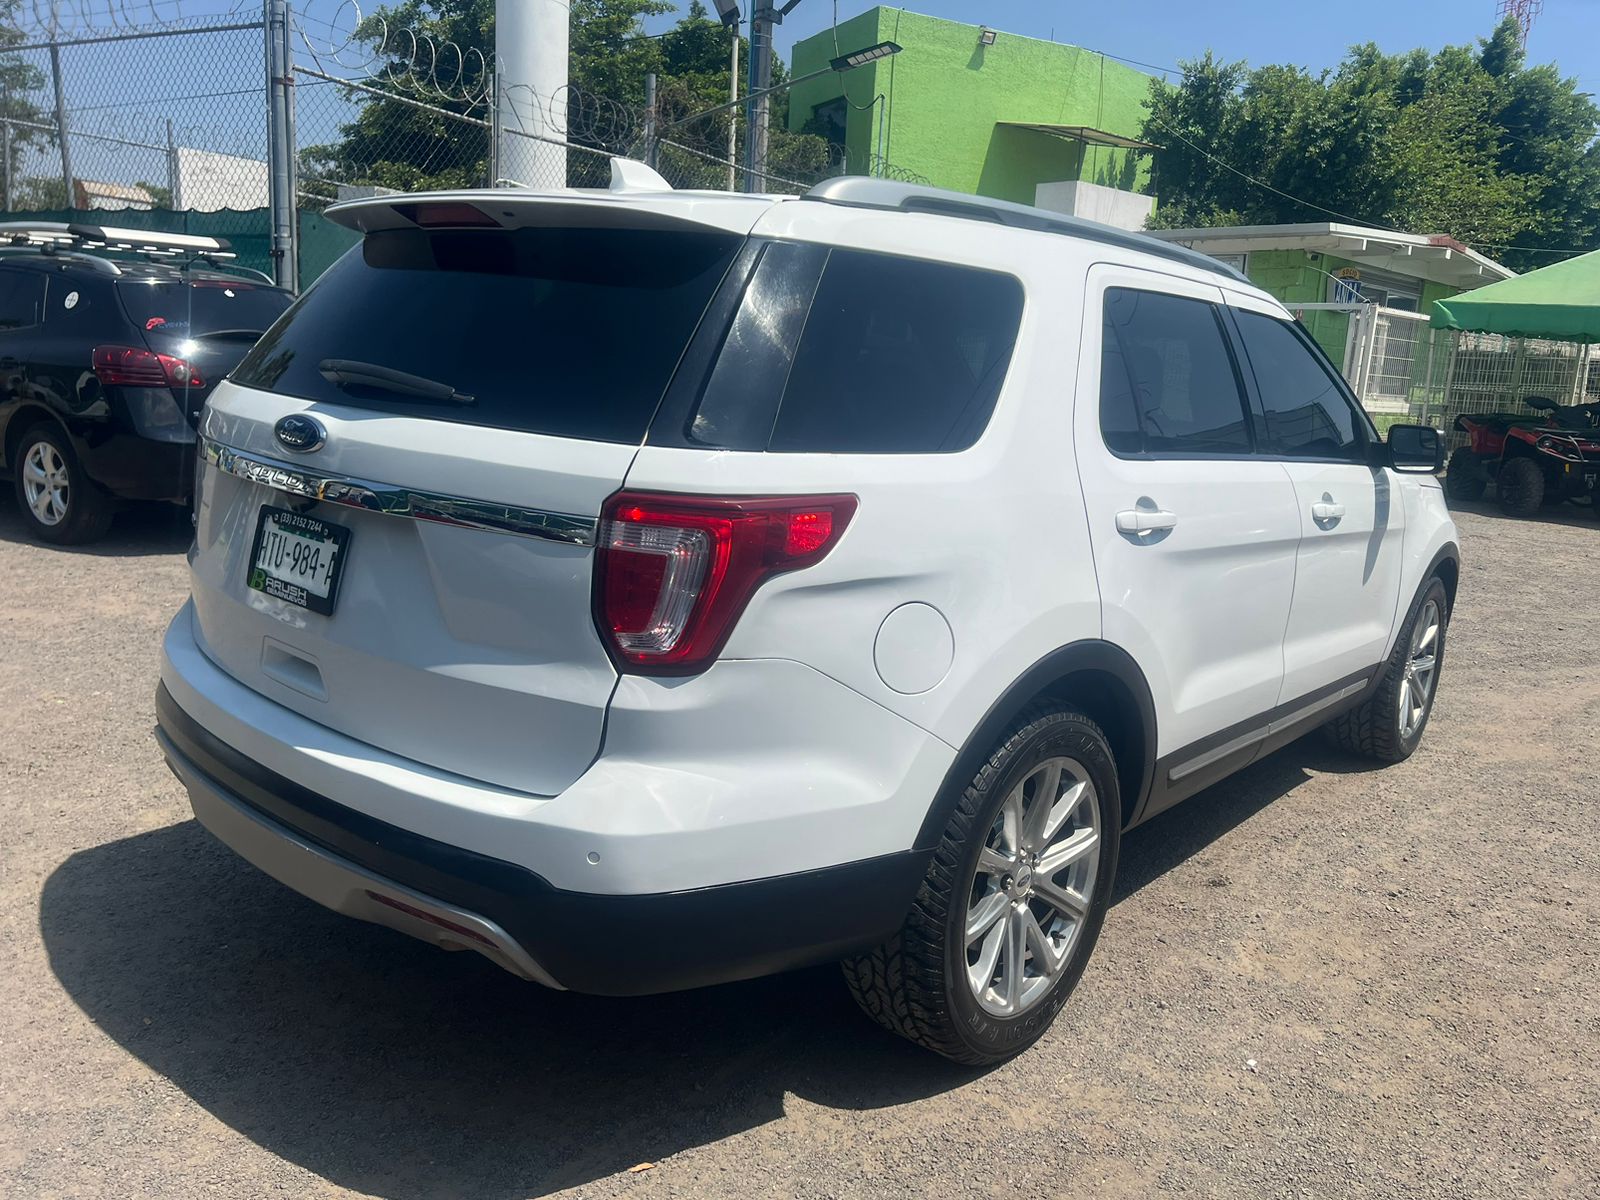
[137, 530]
[387, 1067]
[1555, 514]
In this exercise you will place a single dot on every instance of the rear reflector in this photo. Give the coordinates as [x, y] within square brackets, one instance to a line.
[131, 366]
[674, 573]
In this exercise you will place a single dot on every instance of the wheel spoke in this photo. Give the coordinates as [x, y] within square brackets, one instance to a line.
[1423, 663]
[982, 915]
[42, 506]
[1065, 900]
[1066, 852]
[1011, 970]
[34, 471]
[982, 972]
[1011, 819]
[992, 862]
[1047, 785]
[1045, 955]
[1429, 635]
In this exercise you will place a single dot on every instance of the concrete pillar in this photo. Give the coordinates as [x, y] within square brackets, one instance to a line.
[531, 39]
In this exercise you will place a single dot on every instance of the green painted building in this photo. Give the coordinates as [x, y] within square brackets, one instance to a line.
[1328, 263]
[982, 111]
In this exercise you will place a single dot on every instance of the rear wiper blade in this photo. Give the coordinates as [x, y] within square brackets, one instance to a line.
[347, 371]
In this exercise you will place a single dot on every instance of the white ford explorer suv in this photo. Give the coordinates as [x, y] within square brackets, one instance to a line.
[649, 589]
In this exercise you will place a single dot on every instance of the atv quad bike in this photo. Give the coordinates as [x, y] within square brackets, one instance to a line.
[1532, 460]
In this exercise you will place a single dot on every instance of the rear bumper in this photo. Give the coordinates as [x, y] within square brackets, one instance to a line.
[458, 899]
[137, 468]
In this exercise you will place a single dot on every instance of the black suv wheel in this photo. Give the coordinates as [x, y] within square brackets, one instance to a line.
[59, 503]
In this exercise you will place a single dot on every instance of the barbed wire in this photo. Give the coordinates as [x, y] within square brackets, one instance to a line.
[52, 19]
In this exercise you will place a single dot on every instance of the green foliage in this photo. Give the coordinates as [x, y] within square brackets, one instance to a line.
[395, 144]
[19, 78]
[1469, 142]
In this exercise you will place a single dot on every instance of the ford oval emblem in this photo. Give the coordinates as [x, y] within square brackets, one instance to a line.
[300, 433]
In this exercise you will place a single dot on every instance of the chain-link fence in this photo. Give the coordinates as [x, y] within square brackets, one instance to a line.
[149, 114]
[160, 126]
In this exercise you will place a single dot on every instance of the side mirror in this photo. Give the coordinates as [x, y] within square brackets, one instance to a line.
[1416, 449]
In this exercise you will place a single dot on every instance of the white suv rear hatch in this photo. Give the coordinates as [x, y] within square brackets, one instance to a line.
[460, 631]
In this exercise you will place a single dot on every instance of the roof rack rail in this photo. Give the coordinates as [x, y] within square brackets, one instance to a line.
[859, 191]
[61, 235]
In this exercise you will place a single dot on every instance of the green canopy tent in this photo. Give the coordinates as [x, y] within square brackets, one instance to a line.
[1560, 302]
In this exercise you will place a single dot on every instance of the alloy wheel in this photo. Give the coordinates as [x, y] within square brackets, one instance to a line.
[1031, 891]
[45, 484]
[1422, 668]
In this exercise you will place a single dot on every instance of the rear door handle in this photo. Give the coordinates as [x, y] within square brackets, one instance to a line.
[1327, 510]
[1145, 520]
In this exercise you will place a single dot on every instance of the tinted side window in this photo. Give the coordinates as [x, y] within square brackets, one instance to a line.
[1168, 383]
[1306, 414]
[876, 354]
[21, 293]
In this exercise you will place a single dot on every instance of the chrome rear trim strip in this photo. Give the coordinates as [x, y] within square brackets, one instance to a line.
[394, 501]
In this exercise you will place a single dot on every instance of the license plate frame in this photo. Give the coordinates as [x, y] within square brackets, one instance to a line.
[262, 579]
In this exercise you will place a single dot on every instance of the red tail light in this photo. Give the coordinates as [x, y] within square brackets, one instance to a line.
[131, 366]
[673, 573]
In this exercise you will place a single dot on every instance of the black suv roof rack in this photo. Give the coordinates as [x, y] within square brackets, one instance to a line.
[859, 191]
[178, 250]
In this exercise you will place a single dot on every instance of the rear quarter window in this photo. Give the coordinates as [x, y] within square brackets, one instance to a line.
[572, 332]
[839, 351]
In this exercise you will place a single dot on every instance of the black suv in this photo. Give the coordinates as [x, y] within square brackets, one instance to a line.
[106, 363]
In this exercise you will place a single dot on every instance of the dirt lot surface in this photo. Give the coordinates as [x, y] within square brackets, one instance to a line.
[1317, 979]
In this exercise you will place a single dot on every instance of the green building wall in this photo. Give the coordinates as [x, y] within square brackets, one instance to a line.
[934, 108]
[1298, 277]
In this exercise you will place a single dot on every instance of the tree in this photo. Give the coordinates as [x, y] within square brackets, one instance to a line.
[395, 144]
[19, 79]
[1469, 142]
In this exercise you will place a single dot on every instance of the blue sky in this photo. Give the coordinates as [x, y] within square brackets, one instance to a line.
[1263, 31]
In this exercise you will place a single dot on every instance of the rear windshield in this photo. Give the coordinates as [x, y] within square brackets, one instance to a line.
[569, 332]
[201, 307]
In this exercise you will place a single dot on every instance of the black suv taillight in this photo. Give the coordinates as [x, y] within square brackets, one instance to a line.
[131, 366]
[673, 573]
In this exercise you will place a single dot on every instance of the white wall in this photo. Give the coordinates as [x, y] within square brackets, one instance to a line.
[1095, 202]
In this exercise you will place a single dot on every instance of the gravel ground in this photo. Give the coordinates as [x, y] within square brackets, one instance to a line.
[1317, 979]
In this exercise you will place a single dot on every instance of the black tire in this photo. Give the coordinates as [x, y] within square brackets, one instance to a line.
[1465, 479]
[1373, 729]
[88, 509]
[1520, 487]
[916, 983]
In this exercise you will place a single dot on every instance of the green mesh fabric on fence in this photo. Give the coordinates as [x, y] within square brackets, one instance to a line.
[248, 231]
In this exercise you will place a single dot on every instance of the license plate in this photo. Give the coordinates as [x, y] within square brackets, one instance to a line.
[297, 559]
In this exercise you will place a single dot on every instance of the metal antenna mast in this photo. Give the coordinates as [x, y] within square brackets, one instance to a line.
[1523, 12]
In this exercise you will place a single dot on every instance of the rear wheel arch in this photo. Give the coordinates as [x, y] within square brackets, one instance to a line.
[1097, 678]
[24, 419]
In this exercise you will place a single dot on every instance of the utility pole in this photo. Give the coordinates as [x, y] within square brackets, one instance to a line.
[280, 147]
[174, 176]
[733, 117]
[61, 124]
[762, 19]
[650, 155]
